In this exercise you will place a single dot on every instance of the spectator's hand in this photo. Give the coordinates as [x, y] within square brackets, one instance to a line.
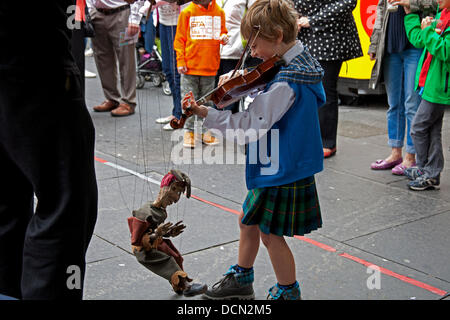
[426, 22]
[224, 39]
[303, 22]
[133, 29]
[182, 70]
[404, 3]
[372, 56]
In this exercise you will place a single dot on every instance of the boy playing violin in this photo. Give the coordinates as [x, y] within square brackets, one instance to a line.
[283, 202]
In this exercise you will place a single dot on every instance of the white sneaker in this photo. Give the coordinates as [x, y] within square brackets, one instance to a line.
[88, 74]
[89, 52]
[167, 127]
[164, 120]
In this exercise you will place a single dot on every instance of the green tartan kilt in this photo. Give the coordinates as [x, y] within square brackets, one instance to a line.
[291, 209]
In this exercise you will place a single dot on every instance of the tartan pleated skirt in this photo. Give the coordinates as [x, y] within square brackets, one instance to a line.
[287, 210]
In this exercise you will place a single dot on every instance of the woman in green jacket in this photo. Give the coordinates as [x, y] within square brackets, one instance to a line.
[432, 79]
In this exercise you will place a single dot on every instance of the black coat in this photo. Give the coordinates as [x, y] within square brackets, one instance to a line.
[332, 34]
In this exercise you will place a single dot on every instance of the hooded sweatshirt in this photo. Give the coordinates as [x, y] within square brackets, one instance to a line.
[197, 41]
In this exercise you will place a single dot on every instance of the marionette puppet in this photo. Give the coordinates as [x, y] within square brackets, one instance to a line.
[150, 235]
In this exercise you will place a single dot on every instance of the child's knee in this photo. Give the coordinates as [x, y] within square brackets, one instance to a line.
[266, 239]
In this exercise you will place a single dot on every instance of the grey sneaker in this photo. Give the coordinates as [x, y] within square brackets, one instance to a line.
[412, 173]
[423, 183]
[276, 293]
[228, 288]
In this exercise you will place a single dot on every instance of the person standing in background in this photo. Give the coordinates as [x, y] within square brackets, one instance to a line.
[328, 29]
[397, 59]
[110, 19]
[200, 31]
[232, 51]
[168, 18]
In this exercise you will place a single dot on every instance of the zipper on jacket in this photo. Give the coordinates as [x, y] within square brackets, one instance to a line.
[446, 82]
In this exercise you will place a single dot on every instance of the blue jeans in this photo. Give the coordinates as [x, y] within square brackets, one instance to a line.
[149, 31]
[399, 77]
[169, 65]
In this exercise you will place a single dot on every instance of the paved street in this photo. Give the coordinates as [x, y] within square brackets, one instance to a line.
[370, 218]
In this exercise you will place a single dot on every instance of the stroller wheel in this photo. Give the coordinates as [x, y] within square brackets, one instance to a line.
[166, 88]
[140, 81]
[156, 80]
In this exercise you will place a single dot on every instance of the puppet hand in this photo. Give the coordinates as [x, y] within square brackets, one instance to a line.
[176, 229]
[163, 229]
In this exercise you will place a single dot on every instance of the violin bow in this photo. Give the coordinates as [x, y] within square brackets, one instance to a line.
[244, 54]
[238, 66]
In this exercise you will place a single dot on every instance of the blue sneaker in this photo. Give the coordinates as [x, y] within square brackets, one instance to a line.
[276, 293]
[412, 173]
[423, 183]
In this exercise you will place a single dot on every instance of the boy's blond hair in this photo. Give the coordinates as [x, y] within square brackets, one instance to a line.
[274, 17]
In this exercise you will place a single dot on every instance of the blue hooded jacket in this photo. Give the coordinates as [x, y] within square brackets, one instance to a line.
[292, 149]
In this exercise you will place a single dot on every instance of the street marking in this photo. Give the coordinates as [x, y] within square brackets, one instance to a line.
[302, 238]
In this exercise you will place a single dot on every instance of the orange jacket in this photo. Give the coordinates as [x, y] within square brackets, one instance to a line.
[197, 41]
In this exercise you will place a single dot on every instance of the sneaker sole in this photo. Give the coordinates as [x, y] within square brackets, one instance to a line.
[424, 188]
[231, 297]
[211, 144]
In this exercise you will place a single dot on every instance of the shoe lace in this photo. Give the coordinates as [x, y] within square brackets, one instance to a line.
[221, 283]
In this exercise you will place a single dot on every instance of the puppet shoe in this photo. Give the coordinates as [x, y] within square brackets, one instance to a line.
[195, 289]
[179, 280]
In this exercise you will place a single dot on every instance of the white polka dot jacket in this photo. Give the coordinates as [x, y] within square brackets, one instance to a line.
[332, 34]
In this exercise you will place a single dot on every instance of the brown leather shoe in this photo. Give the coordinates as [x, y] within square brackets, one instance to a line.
[122, 110]
[106, 105]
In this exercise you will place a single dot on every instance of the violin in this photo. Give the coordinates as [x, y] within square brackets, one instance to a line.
[237, 87]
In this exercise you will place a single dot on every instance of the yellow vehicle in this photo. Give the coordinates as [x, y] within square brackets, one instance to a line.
[355, 74]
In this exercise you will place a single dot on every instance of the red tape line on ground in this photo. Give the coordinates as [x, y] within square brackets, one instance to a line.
[317, 244]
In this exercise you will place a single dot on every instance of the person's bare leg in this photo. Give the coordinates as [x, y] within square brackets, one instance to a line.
[248, 244]
[409, 160]
[396, 154]
[283, 262]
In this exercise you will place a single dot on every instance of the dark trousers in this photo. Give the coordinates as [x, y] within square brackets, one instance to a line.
[46, 149]
[78, 46]
[328, 113]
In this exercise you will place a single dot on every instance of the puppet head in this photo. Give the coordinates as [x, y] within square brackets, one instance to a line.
[172, 186]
